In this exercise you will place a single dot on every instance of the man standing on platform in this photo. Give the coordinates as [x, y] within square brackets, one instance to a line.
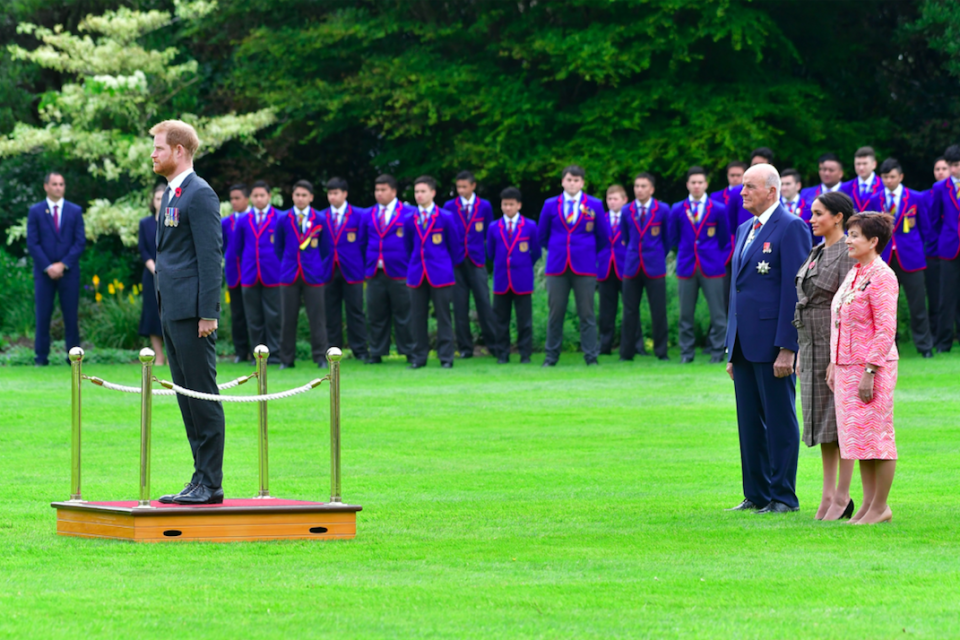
[762, 343]
[188, 281]
[55, 240]
[240, 203]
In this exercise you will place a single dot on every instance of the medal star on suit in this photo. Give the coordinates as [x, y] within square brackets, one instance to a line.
[763, 267]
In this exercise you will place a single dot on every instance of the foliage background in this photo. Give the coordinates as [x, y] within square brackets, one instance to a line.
[515, 91]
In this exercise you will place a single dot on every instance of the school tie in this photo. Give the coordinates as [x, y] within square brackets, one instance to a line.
[382, 217]
[300, 220]
[615, 221]
[569, 206]
[468, 207]
[696, 213]
[889, 201]
[510, 229]
[643, 215]
[259, 217]
[423, 219]
[863, 188]
[751, 237]
[56, 218]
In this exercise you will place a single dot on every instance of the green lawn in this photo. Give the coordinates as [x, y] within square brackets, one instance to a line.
[499, 501]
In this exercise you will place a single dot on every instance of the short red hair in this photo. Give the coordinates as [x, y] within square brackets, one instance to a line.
[178, 133]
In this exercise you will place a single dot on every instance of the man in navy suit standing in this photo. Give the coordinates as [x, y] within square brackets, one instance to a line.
[55, 240]
[762, 343]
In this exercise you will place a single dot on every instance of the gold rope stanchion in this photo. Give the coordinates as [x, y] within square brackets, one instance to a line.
[76, 378]
[333, 357]
[261, 353]
[146, 419]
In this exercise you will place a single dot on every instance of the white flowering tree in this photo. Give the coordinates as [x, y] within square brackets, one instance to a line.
[118, 90]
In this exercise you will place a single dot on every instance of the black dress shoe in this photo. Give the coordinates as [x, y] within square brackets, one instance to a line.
[686, 359]
[606, 352]
[524, 360]
[503, 360]
[746, 505]
[201, 494]
[169, 499]
[465, 355]
[643, 353]
[241, 359]
[414, 365]
[848, 512]
[446, 365]
[927, 354]
[626, 359]
[942, 350]
[716, 359]
[592, 361]
[322, 364]
[292, 365]
[41, 364]
[373, 360]
[663, 358]
[777, 507]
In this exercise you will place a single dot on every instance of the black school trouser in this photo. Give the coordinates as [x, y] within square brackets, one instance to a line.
[261, 305]
[931, 276]
[949, 284]
[313, 300]
[341, 294]
[388, 303]
[611, 291]
[193, 364]
[472, 279]
[657, 300]
[522, 303]
[420, 298]
[915, 288]
[238, 324]
[558, 297]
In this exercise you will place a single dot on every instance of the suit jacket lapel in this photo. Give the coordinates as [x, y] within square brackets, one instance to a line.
[765, 232]
[161, 217]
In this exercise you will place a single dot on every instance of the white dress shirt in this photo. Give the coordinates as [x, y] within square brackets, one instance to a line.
[791, 205]
[174, 183]
[511, 223]
[567, 198]
[701, 207]
[469, 203]
[304, 217]
[615, 220]
[337, 215]
[895, 195]
[825, 189]
[59, 205]
[763, 220]
[867, 184]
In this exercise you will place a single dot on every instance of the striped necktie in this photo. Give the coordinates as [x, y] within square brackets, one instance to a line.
[752, 236]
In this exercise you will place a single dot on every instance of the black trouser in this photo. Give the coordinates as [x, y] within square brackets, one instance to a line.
[313, 300]
[726, 288]
[915, 288]
[471, 278]
[193, 365]
[261, 305]
[340, 294]
[657, 300]
[388, 302]
[420, 298]
[611, 290]
[949, 284]
[523, 304]
[931, 277]
[689, 289]
[238, 324]
[558, 296]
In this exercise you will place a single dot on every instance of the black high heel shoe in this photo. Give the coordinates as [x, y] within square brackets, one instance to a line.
[848, 512]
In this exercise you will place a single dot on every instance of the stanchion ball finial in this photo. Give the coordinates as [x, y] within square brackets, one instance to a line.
[261, 351]
[334, 354]
[147, 355]
[76, 354]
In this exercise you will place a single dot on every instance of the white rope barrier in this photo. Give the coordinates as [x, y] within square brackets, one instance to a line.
[162, 392]
[190, 393]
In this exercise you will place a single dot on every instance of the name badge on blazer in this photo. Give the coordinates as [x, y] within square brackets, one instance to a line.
[655, 230]
[314, 243]
[437, 238]
[479, 226]
[171, 217]
[711, 231]
[400, 232]
[351, 237]
[271, 238]
[590, 226]
[524, 247]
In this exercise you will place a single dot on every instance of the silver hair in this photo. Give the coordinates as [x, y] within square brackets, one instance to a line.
[772, 176]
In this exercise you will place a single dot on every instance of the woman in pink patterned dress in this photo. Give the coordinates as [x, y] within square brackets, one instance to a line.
[863, 369]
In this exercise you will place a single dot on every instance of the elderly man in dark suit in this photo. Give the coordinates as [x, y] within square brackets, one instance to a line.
[188, 281]
[55, 240]
[762, 343]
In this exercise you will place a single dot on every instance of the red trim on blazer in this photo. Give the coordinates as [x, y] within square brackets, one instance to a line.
[643, 232]
[516, 238]
[467, 226]
[696, 236]
[376, 227]
[563, 221]
[423, 257]
[257, 234]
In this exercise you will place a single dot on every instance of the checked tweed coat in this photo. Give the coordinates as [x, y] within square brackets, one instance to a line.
[817, 282]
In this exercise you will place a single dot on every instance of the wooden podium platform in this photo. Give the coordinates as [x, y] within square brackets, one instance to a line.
[233, 521]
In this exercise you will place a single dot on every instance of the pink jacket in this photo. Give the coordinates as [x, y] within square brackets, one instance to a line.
[864, 317]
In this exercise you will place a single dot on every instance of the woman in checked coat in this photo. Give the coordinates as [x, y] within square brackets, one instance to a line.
[817, 282]
[863, 370]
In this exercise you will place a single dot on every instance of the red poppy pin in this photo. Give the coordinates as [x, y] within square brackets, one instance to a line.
[177, 192]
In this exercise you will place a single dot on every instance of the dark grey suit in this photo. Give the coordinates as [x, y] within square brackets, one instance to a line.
[188, 282]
